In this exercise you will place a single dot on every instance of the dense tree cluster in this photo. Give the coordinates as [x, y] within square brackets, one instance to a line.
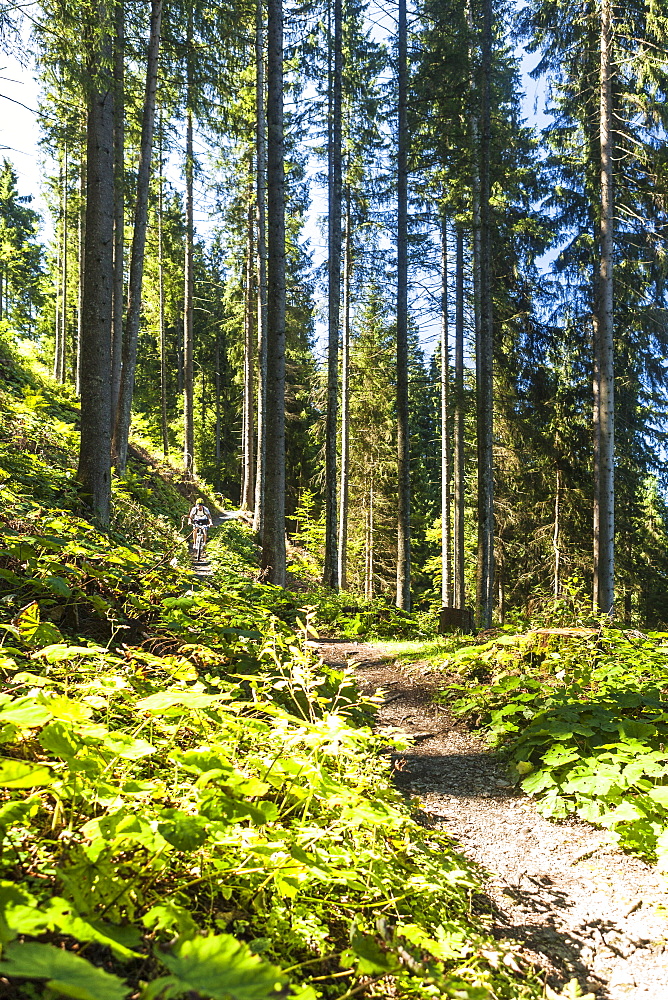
[515, 459]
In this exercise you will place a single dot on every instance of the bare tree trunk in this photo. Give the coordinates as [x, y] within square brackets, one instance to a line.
[56, 324]
[188, 315]
[330, 571]
[248, 486]
[161, 307]
[124, 406]
[484, 352]
[344, 489]
[261, 148]
[460, 590]
[403, 429]
[556, 537]
[82, 245]
[62, 361]
[370, 556]
[119, 206]
[596, 422]
[94, 469]
[501, 583]
[217, 430]
[273, 534]
[446, 533]
[606, 421]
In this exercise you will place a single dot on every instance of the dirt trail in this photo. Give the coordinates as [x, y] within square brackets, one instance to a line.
[202, 567]
[577, 906]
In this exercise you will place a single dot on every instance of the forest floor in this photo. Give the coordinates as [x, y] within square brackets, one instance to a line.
[574, 905]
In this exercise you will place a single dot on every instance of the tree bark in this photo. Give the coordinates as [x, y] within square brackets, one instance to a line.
[62, 361]
[330, 571]
[460, 589]
[248, 485]
[556, 535]
[596, 423]
[119, 206]
[217, 480]
[124, 406]
[484, 351]
[446, 532]
[273, 534]
[94, 468]
[58, 330]
[368, 575]
[161, 307]
[606, 420]
[261, 197]
[344, 488]
[188, 314]
[82, 244]
[403, 430]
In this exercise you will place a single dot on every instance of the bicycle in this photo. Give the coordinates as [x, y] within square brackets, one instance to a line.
[200, 542]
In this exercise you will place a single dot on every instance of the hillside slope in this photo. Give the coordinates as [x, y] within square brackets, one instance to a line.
[192, 804]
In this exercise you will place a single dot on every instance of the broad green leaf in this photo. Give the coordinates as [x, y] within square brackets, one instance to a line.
[57, 738]
[184, 832]
[33, 631]
[538, 782]
[127, 747]
[169, 916]
[58, 586]
[25, 713]
[61, 651]
[222, 968]
[164, 701]
[371, 956]
[66, 709]
[660, 795]
[66, 974]
[20, 774]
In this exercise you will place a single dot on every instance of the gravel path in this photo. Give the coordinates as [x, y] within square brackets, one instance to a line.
[577, 906]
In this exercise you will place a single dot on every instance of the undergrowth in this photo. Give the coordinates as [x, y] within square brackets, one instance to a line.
[191, 803]
[583, 715]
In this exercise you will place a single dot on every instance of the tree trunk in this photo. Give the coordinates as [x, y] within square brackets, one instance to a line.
[82, 244]
[94, 469]
[484, 347]
[124, 406]
[273, 534]
[188, 316]
[446, 534]
[330, 571]
[606, 420]
[261, 150]
[460, 590]
[596, 426]
[58, 292]
[56, 321]
[217, 481]
[345, 406]
[161, 307]
[62, 361]
[119, 206]
[403, 430]
[368, 581]
[556, 537]
[248, 485]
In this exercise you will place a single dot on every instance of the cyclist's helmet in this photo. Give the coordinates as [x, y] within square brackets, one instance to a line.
[199, 502]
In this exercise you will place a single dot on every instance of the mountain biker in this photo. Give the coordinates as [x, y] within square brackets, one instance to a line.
[200, 516]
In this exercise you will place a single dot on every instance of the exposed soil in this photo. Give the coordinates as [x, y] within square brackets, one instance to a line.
[576, 906]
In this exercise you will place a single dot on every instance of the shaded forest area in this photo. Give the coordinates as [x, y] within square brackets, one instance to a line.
[516, 460]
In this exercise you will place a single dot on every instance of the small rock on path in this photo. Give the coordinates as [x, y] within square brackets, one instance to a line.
[578, 907]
